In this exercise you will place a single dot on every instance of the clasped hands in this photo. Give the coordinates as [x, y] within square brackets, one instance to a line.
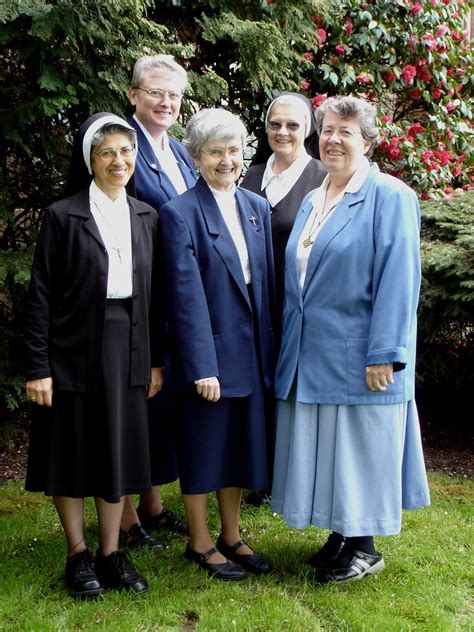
[209, 388]
[379, 376]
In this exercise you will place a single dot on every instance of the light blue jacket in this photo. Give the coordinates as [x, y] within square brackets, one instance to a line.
[358, 304]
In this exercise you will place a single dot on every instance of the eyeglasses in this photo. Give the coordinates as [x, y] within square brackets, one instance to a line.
[107, 155]
[293, 126]
[327, 132]
[158, 94]
[220, 152]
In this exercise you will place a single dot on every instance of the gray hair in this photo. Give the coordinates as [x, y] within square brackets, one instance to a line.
[112, 128]
[157, 63]
[351, 107]
[212, 124]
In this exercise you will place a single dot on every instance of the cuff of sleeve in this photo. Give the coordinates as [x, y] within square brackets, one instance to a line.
[397, 356]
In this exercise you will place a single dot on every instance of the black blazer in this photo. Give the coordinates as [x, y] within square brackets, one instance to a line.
[68, 291]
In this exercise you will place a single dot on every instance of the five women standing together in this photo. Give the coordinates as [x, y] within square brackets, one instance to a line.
[344, 381]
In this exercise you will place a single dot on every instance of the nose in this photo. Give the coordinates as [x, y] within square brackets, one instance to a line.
[334, 138]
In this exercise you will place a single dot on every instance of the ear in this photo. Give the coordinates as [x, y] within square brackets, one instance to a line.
[197, 162]
[131, 95]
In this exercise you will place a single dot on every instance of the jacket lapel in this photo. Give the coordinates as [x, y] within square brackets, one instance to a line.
[254, 234]
[223, 243]
[80, 207]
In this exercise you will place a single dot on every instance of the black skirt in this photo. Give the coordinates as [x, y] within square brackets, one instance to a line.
[94, 444]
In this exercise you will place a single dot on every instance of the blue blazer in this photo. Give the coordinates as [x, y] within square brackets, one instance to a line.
[152, 185]
[215, 327]
[358, 304]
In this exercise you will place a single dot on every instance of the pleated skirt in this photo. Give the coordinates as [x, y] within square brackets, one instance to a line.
[350, 469]
[94, 444]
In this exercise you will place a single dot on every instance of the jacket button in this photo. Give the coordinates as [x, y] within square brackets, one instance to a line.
[134, 348]
[135, 323]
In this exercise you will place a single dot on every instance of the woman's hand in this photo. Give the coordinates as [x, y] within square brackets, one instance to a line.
[379, 376]
[40, 391]
[157, 381]
[209, 388]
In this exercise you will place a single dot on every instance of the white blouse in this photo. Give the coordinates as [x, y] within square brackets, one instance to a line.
[113, 221]
[228, 207]
[277, 185]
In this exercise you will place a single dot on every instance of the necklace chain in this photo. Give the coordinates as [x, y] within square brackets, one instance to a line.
[321, 215]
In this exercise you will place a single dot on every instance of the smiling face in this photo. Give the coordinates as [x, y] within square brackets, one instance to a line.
[157, 114]
[285, 141]
[113, 164]
[342, 146]
[220, 162]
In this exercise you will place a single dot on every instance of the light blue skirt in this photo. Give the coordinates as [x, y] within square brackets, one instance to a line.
[350, 469]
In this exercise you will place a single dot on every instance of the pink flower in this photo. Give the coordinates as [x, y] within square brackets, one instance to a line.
[448, 191]
[308, 56]
[389, 76]
[363, 78]
[457, 37]
[348, 26]
[395, 154]
[436, 93]
[318, 99]
[415, 129]
[386, 119]
[384, 145]
[457, 171]
[426, 156]
[429, 41]
[341, 49]
[408, 74]
[442, 30]
[320, 36]
[451, 106]
[304, 85]
[416, 8]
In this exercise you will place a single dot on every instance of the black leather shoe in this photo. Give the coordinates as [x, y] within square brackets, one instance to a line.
[227, 571]
[254, 563]
[164, 520]
[329, 552]
[80, 577]
[358, 566]
[117, 572]
[137, 538]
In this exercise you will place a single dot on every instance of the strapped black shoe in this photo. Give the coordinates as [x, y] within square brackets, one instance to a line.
[251, 562]
[117, 572]
[329, 552]
[80, 576]
[164, 520]
[137, 538]
[227, 571]
[357, 567]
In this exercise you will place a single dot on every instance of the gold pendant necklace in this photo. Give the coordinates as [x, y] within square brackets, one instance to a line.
[308, 241]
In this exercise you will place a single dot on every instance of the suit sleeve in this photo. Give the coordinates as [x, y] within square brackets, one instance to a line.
[157, 303]
[270, 259]
[40, 293]
[396, 278]
[188, 308]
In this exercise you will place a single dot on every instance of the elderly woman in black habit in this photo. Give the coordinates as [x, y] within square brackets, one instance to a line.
[91, 340]
[284, 179]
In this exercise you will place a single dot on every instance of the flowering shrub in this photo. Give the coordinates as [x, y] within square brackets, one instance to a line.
[412, 59]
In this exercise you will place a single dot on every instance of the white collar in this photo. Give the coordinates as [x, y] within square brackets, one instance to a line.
[157, 146]
[291, 173]
[103, 200]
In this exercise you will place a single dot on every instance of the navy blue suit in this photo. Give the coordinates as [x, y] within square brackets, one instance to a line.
[220, 328]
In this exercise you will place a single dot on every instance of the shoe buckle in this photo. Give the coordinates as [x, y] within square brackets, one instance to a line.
[205, 557]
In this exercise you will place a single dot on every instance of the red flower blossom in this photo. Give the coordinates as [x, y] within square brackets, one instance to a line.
[429, 41]
[424, 74]
[451, 106]
[446, 1]
[320, 36]
[341, 49]
[442, 30]
[318, 99]
[394, 154]
[415, 129]
[436, 93]
[426, 156]
[416, 94]
[304, 85]
[389, 76]
[408, 74]
[386, 119]
[424, 195]
[308, 56]
[416, 8]
[318, 19]
[372, 96]
[457, 37]
[348, 26]
[384, 145]
[457, 171]
[449, 191]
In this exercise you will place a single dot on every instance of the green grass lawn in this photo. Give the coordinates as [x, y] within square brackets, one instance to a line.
[425, 586]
